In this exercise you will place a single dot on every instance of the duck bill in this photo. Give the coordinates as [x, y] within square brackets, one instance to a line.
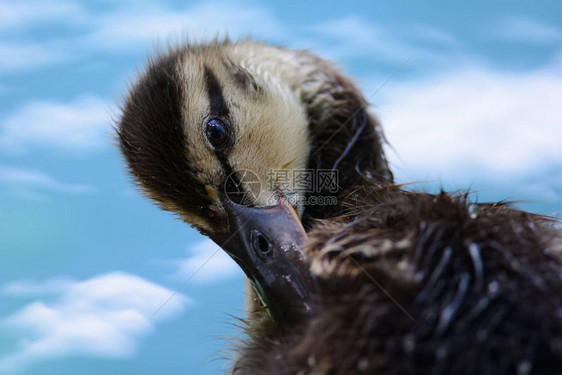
[267, 243]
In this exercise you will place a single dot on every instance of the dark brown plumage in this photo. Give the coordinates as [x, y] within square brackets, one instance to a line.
[345, 137]
[414, 283]
[152, 139]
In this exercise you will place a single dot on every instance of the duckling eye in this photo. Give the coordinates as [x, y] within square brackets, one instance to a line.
[217, 132]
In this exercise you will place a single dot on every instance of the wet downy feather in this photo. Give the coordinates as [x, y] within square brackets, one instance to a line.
[417, 283]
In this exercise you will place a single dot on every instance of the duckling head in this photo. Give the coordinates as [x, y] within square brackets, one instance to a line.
[209, 131]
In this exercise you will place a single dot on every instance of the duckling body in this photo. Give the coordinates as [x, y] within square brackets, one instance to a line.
[414, 283]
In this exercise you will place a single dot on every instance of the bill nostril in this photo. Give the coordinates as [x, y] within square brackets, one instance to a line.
[260, 242]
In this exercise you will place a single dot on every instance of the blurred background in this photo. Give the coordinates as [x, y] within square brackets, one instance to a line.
[470, 96]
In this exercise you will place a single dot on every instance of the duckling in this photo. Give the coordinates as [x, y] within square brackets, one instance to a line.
[208, 131]
[414, 283]
[388, 281]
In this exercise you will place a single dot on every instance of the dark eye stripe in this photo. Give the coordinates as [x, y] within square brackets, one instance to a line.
[214, 91]
[218, 109]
